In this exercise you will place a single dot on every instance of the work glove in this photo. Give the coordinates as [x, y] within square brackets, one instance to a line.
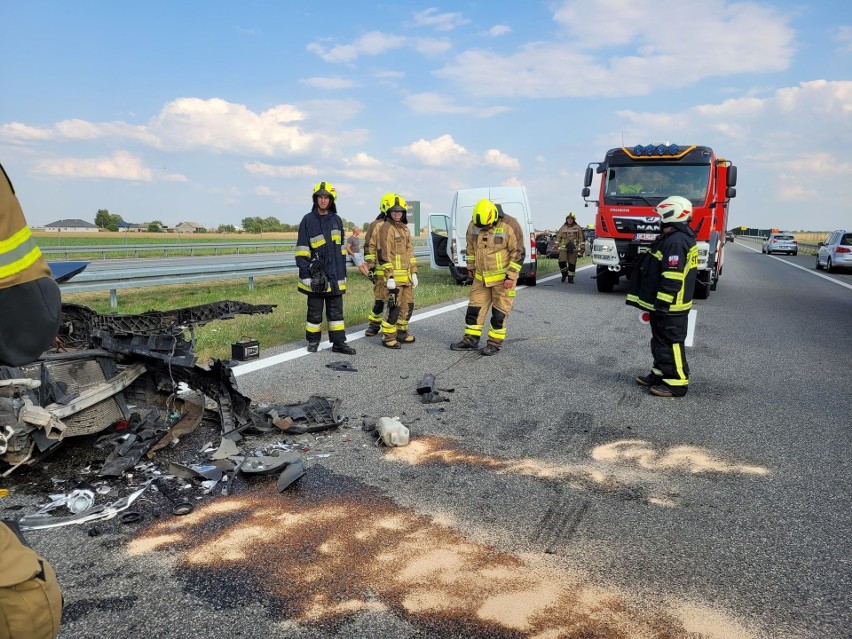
[414, 280]
[391, 283]
[306, 282]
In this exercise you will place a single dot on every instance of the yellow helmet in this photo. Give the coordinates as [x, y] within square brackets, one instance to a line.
[571, 214]
[392, 201]
[484, 213]
[325, 188]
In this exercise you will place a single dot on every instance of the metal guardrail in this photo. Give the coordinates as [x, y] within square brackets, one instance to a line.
[174, 247]
[136, 250]
[169, 275]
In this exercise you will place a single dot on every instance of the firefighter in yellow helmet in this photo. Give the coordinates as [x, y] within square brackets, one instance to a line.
[371, 259]
[399, 266]
[321, 259]
[495, 252]
[571, 244]
[29, 298]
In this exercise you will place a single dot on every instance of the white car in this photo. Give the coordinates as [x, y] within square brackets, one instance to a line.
[780, 243]
[835, 252]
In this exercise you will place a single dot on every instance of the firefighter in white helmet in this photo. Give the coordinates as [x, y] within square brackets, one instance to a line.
[662, 283]
[495, 252]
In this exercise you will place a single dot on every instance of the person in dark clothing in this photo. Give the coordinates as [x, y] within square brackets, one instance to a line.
[321, 259]
[663, 283]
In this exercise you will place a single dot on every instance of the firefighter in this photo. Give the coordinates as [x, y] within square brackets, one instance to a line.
[570, 240]
[30, 599]
[399, 267]
[662, 283]
[28, 295]
[380, 289]
[321, 259]
[495, 252]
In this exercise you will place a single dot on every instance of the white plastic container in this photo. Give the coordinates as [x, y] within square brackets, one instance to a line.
[392, 432]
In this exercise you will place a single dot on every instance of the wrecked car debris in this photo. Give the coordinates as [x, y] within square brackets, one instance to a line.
[295, 470]
[42, 521]
[316, 414]
[429, 394]
[180, 506]
[104, 364]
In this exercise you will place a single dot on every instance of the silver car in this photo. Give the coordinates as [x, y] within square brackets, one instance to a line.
[780, 243]
[835, 252]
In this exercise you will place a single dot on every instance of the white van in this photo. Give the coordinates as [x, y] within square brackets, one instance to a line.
[448, 234]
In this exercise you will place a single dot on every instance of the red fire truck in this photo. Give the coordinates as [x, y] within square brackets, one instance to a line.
[633, 181]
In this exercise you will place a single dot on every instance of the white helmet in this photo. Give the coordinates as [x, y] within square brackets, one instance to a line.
[674, 209]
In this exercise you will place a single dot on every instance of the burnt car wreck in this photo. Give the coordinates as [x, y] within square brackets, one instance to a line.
[116, 369]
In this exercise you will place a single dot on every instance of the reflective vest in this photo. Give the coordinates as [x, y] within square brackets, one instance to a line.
[495, 252]
[21, 260]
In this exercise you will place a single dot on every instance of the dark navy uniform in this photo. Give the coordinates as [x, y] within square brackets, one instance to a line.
[663, 283]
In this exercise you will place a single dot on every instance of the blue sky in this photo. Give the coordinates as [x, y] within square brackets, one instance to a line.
[216, 111]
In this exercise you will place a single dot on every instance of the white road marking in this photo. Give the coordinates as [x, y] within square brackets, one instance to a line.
[260, 364]
[803, 268]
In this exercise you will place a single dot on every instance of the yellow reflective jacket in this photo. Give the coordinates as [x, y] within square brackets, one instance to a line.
[370, 241]
[496, 252]
[20, 258]
[396, 252]
[570, 233]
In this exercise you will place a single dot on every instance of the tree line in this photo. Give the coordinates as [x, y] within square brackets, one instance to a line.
[111, 222]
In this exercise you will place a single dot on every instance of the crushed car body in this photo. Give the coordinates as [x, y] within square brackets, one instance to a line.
[106, 368]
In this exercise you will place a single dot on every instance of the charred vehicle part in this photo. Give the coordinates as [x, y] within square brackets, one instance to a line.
[105, 365]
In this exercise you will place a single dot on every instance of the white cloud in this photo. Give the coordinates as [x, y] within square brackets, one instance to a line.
[188, 123]
[361, 160]
[431, 48]
[225, 126]
[265, 191]
[439, 21]
[615, 48]
[372, 43]
[269, 170]
[499, 160]
[843, 37]
[498, 30]
[121, 165]
[442, 151]
[331, 84]
[434, 103]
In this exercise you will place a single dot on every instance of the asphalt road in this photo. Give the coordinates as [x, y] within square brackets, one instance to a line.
[549, 497]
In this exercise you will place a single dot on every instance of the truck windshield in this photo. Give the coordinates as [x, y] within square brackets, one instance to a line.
[650, 183]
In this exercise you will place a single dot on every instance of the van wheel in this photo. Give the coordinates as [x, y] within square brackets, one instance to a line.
[531, 280]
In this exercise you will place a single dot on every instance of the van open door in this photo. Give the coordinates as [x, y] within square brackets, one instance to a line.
[438, 240]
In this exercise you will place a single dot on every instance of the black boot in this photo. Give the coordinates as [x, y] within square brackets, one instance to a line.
[649, 380]
[465, 345]
[342, 347]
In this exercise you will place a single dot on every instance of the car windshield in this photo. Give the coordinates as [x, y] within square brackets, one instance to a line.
[784, 237]
[846, 240]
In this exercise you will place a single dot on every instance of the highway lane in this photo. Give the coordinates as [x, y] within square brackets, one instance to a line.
[550, 494]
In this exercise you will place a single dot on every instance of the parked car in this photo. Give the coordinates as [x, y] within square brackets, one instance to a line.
[541, 241]
[835, 252]
[780, 243]
[552, 248]
[729, 236]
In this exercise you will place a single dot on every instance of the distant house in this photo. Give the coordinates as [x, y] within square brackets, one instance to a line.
[71, 226]
[188, 227]
[131, 226]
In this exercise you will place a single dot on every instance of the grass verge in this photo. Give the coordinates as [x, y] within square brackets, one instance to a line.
[287, 323]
